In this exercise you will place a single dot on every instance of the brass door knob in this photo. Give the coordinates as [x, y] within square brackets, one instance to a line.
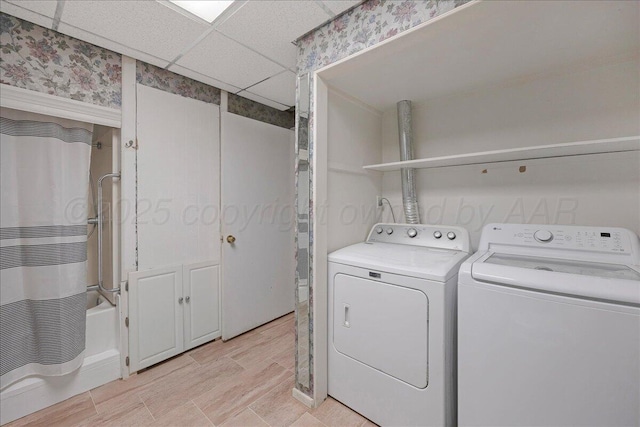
[231, 239]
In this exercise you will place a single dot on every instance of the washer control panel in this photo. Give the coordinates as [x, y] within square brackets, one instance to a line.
[433, 236]
[593, 239]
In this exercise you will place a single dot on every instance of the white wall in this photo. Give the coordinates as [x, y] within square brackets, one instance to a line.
[584, 104]
[354, 140]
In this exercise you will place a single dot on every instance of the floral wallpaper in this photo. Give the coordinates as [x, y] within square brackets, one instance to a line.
[363, 26]
[168, 81]
[254, 110]
[366, 25]
[159, 78]
[43, 60]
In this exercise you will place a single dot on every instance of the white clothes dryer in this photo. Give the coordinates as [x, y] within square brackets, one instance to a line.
[549, 327]
[392, 324]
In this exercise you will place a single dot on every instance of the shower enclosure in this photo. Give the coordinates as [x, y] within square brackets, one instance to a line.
[100, 361]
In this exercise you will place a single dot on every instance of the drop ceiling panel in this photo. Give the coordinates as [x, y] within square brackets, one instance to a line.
[270, 27]
[43, 7]
[280, 88]
[261, 100]
[203, 78]
[38, 12]
[223, 59]
[111, 45]
[338, 7]
[146, 26]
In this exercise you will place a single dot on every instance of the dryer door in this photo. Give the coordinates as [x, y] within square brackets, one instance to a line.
[382, 325]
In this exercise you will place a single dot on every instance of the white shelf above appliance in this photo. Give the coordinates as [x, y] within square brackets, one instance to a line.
[599, 146]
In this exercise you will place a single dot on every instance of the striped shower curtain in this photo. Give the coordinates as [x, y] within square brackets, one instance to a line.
[44, 179]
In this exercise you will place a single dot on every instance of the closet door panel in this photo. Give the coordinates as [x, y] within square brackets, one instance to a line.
[178, 179]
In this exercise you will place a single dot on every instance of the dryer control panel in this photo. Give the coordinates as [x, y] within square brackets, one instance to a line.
[431, 236]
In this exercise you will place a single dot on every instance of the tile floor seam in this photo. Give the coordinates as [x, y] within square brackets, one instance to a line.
[265, 392]
[256, 414]
[200, 410]
[196, 362]
[93, 401]
[308, 412]
[231, 378]
[147, 408]
[276, 362]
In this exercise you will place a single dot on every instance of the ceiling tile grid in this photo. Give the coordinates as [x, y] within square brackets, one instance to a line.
[251, 52]
[339, 6]
[146, 26]
[221, 58]
[204, 78]
[38, 12]
[263, 100]
[280, 88]
[270, 27]
[111, 45]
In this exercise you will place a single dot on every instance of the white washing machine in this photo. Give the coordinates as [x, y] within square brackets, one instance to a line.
[549, 328]
[392, 324]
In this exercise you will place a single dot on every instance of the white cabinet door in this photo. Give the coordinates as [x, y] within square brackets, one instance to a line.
[155, 316]
[201, 283]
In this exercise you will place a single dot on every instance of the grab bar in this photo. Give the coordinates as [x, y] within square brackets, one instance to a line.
[100, 220]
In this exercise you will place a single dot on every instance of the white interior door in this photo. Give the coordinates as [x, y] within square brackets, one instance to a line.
[257, 199]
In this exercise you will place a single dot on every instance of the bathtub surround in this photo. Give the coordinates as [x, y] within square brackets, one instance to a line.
[101, 365]
[366, 25]
[45, 172]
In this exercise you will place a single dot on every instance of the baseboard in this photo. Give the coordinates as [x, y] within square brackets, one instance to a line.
[303, 398]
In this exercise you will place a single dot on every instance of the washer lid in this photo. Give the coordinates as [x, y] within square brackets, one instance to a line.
[422, 262]
[607, 271]
[610, 282]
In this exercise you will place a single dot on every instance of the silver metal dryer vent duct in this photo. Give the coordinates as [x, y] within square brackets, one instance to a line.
[409, 198]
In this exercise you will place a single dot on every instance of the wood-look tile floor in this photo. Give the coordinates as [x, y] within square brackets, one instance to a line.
[244, 382]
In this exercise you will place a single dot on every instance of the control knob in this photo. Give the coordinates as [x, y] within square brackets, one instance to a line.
[389, 231]
[437, 234]
[379, 230]
[412, 232]
[543, 236]
[451, 235]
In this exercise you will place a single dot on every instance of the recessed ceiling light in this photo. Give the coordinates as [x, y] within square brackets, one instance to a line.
[205, 9]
